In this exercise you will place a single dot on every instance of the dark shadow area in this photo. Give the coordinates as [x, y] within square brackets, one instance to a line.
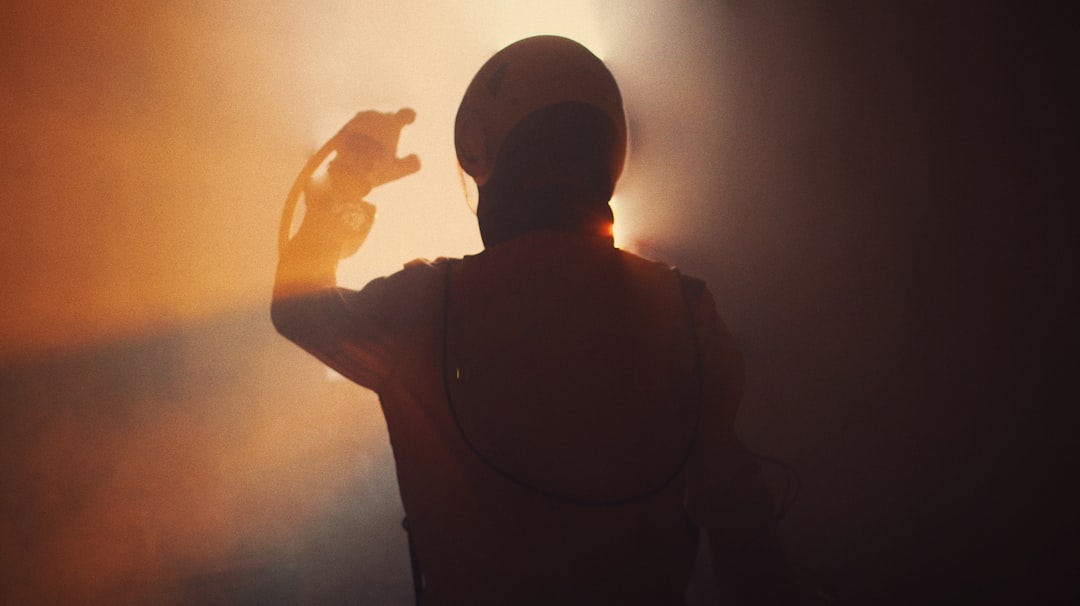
[902, 182]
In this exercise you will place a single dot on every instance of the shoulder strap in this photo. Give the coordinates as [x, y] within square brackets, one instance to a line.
[690, 285]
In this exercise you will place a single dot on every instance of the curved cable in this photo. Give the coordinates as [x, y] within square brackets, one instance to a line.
[313, 163]
[568, 499]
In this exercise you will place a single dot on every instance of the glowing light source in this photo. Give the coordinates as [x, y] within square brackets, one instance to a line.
[618, 229]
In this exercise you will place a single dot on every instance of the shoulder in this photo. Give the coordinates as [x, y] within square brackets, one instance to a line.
[693, 288]
[418, 273]
[402, 293]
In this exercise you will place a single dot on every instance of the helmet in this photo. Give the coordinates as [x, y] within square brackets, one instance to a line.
[527, 76]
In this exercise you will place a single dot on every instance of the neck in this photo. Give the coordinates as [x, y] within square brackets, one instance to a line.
[547, 209]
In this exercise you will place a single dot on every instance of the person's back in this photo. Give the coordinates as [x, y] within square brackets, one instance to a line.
[560, 410]
[569, 367]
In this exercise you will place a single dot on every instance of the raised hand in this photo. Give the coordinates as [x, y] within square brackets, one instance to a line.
[366, 157]
[368, 144]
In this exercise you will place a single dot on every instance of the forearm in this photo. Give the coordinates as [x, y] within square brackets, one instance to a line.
[308, 263]
[307, 269]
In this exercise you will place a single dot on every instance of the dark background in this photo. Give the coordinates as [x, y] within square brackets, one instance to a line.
[886, 215]
[912, 356]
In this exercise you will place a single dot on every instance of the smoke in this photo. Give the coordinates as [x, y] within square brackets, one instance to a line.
[845, 179]
[150, 148]
[173, 469]
[161, 444]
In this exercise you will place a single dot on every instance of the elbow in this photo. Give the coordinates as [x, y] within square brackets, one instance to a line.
[283, 316]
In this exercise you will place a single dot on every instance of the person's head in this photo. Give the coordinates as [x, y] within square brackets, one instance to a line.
[541, 129]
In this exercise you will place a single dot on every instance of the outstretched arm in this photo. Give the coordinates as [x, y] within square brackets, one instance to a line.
[336, 222]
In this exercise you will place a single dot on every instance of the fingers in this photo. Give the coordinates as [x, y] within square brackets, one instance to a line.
[397, 168]
[382, 127]
[383, 130]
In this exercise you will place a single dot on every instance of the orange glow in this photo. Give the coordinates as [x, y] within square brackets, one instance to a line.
[148, 150]
[620, 230]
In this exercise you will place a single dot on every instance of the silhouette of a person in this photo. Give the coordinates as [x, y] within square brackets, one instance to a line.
[561, 411]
